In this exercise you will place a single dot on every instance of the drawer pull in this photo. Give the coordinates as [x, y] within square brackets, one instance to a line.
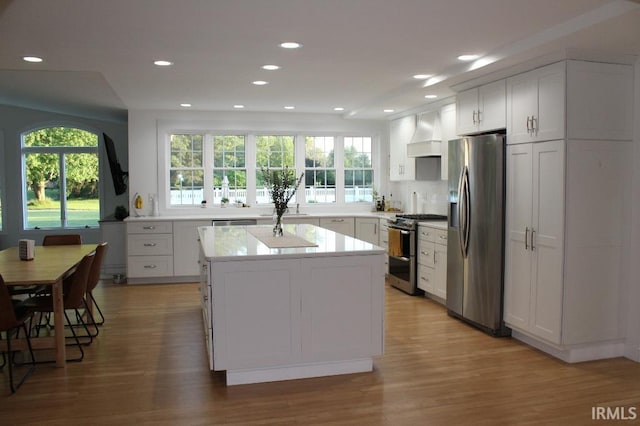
[424, 279]
[337, 220]
[151, 227]
[149, 244]
[150, 266]
[443, 237]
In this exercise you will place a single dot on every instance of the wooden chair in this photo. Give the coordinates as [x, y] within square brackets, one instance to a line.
[13, 317]
[61, 240]
[73, 298]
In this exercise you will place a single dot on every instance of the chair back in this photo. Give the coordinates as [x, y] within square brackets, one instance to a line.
[74, 296]
[8, 318]
[62, 240]
[96, 266]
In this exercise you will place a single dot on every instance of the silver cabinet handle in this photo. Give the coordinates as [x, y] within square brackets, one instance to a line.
[426, 253]
[526, 238]
[149, 244]
[474, 117]
[337, 220]
[443, 237]
[149, 227]
[150, 266]
[528, 124]
[533, 237]
[479, 119]
[375, 229]
[424, 279]
[534, 125]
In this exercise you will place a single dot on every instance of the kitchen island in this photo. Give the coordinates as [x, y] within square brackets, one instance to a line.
[308, 304]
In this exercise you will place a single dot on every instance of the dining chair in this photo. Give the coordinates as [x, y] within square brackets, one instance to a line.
[13, 317]
[73, 299]
[94, 279]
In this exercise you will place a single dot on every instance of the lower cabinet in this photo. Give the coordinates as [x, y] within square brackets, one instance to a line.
[432, 260]
[149, 249]
[368, 229]
[342, 225]
[186, 247]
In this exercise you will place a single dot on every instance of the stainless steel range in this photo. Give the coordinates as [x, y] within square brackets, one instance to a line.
[403, 246]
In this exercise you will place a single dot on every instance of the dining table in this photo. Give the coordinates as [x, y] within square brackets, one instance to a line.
[49, 266]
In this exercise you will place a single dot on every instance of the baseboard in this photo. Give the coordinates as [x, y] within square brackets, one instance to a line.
[575, 353]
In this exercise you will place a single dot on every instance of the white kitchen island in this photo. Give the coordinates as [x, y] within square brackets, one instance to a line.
[316, 309]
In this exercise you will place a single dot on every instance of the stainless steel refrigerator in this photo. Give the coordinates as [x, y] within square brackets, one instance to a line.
[475, 245]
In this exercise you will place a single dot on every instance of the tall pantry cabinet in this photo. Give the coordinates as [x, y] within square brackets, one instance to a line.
[568, 175]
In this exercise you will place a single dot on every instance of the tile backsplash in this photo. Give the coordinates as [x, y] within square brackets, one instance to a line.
[431, 195]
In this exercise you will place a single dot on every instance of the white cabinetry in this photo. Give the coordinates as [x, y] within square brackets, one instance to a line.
[448, 126]
[567, 203]
[384, 241]
[114, 262]
[186, 247]
[342, 225]
[432, 260]
[481, 109]
[400, 132]
[535, 105]
[368, 229]
[149, 249]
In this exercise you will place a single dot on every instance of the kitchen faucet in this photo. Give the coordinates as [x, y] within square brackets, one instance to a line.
[298, 208]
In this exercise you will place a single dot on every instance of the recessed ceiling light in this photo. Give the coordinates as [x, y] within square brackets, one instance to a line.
[388, 110]
[338, 109]
[468, 57]
[430, 96]
[290, 45]
[162, 63]
[185, 105]
[33, 59]
[270, 67]
[421, 76]
[260, 82]
[289, 107]
[238, 106]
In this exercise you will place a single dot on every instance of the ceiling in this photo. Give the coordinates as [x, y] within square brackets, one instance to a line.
[357, 54]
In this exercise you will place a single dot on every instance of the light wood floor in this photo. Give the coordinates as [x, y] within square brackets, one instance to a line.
[148, 366]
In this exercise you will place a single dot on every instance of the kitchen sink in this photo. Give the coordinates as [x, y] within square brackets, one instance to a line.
[285, 215]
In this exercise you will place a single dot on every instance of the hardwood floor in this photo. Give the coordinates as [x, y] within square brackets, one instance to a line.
[148, 366]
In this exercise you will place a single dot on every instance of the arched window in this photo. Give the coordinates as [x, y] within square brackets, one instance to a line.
[60, 178]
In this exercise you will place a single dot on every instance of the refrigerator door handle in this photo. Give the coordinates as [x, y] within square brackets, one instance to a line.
[467, 211]
[460, 211]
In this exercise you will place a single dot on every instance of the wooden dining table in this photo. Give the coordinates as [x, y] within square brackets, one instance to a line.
[50, 266]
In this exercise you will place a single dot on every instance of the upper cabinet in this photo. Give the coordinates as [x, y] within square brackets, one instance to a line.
[400, 132]
[535, 105]
[481, 109]
[572, 99]
[448, 125]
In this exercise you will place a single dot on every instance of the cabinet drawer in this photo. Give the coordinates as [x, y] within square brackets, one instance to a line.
[150, 266]
[440, 236]
[150, 245]
[426, 279]
[149, 227]
[426, 255]
[426, 234]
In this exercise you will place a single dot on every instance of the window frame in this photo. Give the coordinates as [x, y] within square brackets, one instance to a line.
[61, 151]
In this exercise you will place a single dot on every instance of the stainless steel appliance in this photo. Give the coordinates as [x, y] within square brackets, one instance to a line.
[475, 249]
[233, 222]
[403, 265]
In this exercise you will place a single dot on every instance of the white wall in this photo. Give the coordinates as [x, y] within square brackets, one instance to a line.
[632, 347]
[148, 127]
[13, 122]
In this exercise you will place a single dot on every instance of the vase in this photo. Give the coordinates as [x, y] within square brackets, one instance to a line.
[277, 225]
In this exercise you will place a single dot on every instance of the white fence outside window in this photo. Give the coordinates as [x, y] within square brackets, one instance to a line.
[312, 195]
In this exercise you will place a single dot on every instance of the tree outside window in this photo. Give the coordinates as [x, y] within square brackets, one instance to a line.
[358, 170]
[61, 175]
[272, 152]
[320, 172]
[229, 169]
[186, 172]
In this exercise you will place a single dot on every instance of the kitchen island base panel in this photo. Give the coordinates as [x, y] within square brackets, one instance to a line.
[303, 371]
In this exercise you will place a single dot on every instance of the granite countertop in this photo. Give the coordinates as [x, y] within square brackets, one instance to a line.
[226, 243]
[440, 224]
[245, 213]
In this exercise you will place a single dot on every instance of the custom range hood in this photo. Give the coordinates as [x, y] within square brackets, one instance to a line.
[426, 142]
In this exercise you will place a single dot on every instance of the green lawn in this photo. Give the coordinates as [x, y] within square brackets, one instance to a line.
[80, 213]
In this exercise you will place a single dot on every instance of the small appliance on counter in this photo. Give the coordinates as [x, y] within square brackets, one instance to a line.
[403, 246]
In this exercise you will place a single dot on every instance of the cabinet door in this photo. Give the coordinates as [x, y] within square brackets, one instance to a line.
[367, 229]
[549, 120]
[522, 104]
[400, 133]
[449, 132]
[440, 278]
[547, 240]
[186, 247]
[517, 285]
[467, 112]
[492, 106]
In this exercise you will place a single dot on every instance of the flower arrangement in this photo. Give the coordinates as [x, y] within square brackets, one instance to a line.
[282, 185]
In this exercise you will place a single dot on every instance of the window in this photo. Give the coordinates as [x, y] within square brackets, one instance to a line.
[319, 172]
[358, 170]
[186, 174]
[272, 152]
[229, 169]
[61, 170]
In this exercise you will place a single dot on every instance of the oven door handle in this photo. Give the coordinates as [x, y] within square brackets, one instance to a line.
[404, 259]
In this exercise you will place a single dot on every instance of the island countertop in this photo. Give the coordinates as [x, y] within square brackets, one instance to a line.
[221, 243]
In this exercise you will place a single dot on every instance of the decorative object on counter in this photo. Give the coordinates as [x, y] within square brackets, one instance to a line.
[120, 213]
[153, 200]
[138, 204]
[282, 185]
[224, 202]
[203, 204]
